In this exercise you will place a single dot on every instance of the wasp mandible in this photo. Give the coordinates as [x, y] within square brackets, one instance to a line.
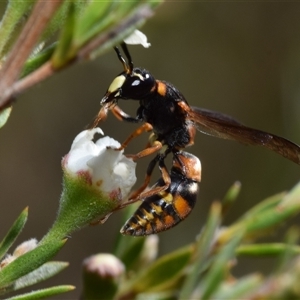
[173, 123]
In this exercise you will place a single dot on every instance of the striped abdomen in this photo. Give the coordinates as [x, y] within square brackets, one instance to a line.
[167, 208]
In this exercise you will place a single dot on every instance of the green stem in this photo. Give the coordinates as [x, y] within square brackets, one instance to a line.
[15, 10]
[80, 205]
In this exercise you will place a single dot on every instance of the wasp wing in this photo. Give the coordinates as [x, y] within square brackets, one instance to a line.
[225, 127]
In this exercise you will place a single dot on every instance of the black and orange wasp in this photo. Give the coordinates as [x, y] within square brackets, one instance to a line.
[173, 123]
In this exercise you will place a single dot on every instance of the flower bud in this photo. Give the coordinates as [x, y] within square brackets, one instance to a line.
[96, 180]
[20, 250]
[107, 170]
[101, 274]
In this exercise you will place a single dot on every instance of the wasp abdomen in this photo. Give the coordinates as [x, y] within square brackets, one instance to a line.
[165, 209]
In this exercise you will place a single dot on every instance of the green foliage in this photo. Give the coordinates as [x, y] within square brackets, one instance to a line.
[203, 248]
[42, 273]
[78, 30]
[203, 269]
[28, 266]
[91, 22]
[129, 251]
[37, 60]
[126, 249]
[219, 268]
[13, 233]
[80, 205]
[12, 22]
[44, 293]
[4, 115]
[95, 17]
[266, 249]
[161, 274]
[28, 262]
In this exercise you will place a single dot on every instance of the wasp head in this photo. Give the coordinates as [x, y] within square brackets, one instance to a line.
[135, 85]
[132, 83]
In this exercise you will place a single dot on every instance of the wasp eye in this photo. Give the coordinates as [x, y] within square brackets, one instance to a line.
[136, 82]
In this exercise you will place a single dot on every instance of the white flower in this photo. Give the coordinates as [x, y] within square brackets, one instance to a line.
[108, 170]
[137, 38]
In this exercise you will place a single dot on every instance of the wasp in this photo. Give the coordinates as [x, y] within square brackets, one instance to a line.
[165, 208]
[173, 123]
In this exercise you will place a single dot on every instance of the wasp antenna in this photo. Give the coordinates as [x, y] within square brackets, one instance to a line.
[123, 61]
[126, 51]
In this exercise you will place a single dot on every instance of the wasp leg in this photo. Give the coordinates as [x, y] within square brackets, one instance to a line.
[151, 166]
[122, 116]
[118, 113]
[138, 195]
[101, 221]
[102, 115]
[165, 175]
[144, 128]
[135, 196]
[158, 189]
[156, 146]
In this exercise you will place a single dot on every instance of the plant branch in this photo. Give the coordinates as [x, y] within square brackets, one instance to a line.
[47, 69]
[38, 20]
[142, 13]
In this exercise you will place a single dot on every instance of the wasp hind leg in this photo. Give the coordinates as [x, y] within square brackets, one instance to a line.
[139, 193]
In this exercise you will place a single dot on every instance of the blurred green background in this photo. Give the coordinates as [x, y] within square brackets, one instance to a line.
[242, 59]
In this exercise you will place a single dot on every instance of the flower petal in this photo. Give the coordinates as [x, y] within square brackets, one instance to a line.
[137, 38]
[109, 170]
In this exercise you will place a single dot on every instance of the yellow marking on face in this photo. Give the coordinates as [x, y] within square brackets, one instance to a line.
[139, 76]
[116, 84]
